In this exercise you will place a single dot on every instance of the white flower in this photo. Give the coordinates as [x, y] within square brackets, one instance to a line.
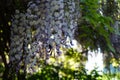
[56, 14]
[17, 11]
[28, 11]
[17, 16]
[17, 56]
[16, 21]
[66, 14]
[38, 13]
[56, 7]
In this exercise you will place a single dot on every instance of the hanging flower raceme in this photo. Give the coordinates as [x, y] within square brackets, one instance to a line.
[48, 25]
[18, 46]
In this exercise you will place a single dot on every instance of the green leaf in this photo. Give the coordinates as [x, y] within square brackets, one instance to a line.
[111, 48]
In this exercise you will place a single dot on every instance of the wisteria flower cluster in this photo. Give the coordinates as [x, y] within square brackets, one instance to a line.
[44, 27]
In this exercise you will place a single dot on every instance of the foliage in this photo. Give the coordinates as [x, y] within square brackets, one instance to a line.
[94, 29]
[115, 76]
[111, 9]
[1, 70]
[50, 74]
[61, 71]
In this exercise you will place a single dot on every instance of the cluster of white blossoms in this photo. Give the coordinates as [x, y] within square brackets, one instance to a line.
[46, 25]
